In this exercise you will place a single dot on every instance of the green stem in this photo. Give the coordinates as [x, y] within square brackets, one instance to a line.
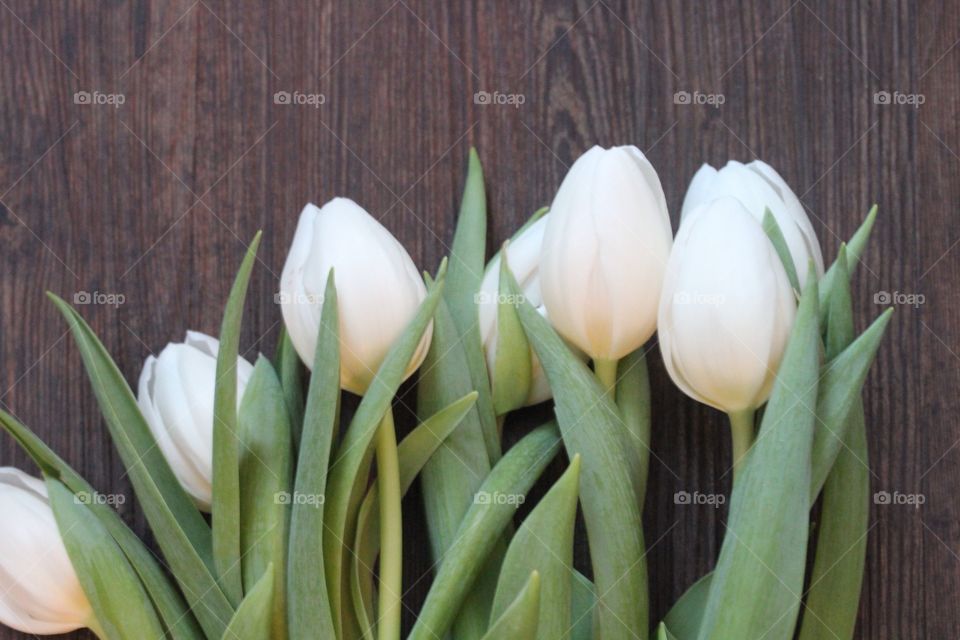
[741, 434]
[391, 530]
[606, 371]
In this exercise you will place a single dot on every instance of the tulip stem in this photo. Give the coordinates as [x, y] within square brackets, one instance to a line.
[391, 530]
[741, 434]
[606, 371]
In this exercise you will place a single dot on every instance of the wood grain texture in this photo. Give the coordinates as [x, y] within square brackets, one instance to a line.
[155, 200]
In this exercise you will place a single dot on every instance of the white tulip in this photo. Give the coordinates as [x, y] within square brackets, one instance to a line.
[175, 395]
[39, 590]
[378, 289]
[758, 187]
[523, 256]
[726, 310]
[605, 248]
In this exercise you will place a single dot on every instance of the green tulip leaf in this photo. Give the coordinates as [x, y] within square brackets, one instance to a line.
[290, 370]
[225, 516]
[120, 604]
[493, 507]
[413, 452]
[633, 400]
[180, 622]
[756, 585]
[855, 250]
[309, 612]
[266, 485]
[773, 231]
[685, 615]
[347, 482]
[512, 366]
[252, 621]
[544, 545]
[519, 620]
[592, 426]
[180, 530]
[833, 597]
[664, 634]
[584, 599]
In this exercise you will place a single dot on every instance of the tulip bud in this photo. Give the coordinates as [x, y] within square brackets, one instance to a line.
[175, 395]
[39, 590]
[378, 289]
[758, 188]
[523, 258]
[604, 251]
[727, 308]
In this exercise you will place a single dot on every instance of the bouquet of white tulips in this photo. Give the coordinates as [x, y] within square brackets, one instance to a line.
[274, 517]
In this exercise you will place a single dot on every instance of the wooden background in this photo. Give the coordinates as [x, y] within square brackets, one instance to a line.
[155, 199]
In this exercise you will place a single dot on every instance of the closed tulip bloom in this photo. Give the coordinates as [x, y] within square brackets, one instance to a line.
[175, 395]
[378, 289]
[523, 257]
[605, 248]
[726, 310]
[758, 187]
[39, 590]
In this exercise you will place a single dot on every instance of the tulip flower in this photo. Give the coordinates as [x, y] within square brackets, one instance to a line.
[523, 256]
[725, 313]
[605, 247]
[758, 188]
[175, 395]
[378, 288]
[378, 292]
[39, 590]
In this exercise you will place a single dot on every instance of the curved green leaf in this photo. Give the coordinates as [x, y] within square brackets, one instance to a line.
[519, 620]
[309, 609]
[266, 483]
[252, 619]
[544, 545]
[592, 426]
[855, 249]
[756, 586]
[225, 516]
[346, 484]
[685, 615]
[513, 368]
[775, 234]
[119, 601]
[633, 400]
[493, 507]
[180, 530]
[290, 370]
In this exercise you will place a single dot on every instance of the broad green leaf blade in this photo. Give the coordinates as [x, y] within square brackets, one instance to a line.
[664, 634]
[463, 284]
[833, 596]
[290, 370]
[512, 364]
[177, 618]
[266, 486]
[519, 620]
[180, 530]
[779, 243]
[756, 586]
[685, 615]
[493, 507]
[855, 249]
[544, 545]
[840, 385]
[252, 619]
[225, 515]
[310, 614]
[633, 400]
[120, 604]
[584, 599]
[346, 484]
[414, 452]
[592, 426]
